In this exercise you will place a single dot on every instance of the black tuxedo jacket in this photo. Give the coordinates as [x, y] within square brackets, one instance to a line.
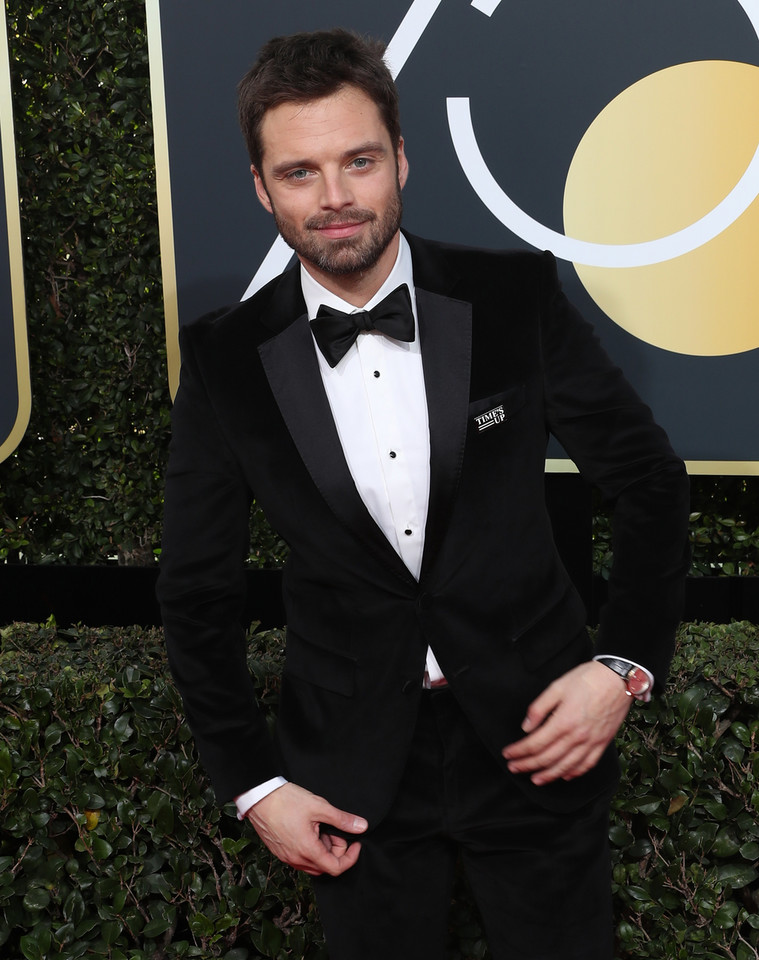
[494, 602]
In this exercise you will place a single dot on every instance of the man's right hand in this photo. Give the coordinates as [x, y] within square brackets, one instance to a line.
[289, 822]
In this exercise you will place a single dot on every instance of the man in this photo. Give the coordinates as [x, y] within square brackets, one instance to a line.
[439, 695]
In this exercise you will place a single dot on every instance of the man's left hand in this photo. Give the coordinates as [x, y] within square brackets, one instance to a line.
[570, 724]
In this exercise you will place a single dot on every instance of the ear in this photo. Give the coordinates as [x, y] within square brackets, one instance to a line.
[402, 164]
[261, 193]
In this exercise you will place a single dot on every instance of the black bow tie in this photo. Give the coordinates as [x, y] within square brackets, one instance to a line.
[336, 331]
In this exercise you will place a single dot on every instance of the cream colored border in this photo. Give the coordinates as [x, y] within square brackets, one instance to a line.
[15, 249]
[561, 466]
[716, 468]
[163, 190]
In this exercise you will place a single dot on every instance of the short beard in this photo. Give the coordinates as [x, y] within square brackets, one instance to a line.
[349, 255]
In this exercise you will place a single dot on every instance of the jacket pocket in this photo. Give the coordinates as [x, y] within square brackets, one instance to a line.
[319, 665]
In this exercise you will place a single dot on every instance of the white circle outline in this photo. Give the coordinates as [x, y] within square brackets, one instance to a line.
[585, 252]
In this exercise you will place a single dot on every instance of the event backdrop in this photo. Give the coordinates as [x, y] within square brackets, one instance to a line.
[622, 136]
[15, 392]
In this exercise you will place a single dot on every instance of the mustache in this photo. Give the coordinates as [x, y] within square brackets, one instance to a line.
[357, 215]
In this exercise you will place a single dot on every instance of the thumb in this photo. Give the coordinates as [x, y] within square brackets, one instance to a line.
[342, 820]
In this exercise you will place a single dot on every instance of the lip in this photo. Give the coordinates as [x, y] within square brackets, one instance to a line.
[339, 231]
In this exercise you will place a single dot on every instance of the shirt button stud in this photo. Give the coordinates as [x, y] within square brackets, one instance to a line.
[393, 454]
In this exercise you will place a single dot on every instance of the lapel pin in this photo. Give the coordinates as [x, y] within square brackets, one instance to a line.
[490, 419]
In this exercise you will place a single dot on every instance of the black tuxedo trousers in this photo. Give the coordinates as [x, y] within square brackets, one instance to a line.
[499, 343]
[540, 878]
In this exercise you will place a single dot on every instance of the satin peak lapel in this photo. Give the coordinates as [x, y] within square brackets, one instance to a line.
[291, 367]
[445, 327]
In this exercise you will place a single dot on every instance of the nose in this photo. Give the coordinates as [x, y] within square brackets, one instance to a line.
[336, 192]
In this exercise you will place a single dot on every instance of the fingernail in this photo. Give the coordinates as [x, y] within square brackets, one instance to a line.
[360, 824]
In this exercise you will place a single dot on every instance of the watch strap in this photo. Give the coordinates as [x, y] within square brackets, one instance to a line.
[637, 680]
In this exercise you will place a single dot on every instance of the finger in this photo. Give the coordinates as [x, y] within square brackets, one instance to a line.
[561, 768]
[334, 865]
[334, 844]
[541, 708]
[579, 769]
[561, 744]
[530, 747]
[551, 734]
[542, 756]
[574, 765]
[349, 857]
[312, 855]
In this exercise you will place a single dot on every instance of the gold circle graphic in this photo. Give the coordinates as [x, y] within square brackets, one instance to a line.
[659, 157]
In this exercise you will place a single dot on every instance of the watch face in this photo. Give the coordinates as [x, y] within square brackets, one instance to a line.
[637, 682]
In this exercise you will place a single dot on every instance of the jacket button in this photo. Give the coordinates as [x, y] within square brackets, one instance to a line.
[410, 685]
[424, 601]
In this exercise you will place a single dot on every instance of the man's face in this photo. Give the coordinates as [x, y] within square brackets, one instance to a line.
[333, 182]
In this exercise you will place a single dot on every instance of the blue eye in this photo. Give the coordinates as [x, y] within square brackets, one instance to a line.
[298, 174]
[361, 163]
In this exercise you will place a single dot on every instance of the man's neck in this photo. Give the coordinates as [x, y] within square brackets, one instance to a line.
[357, 288]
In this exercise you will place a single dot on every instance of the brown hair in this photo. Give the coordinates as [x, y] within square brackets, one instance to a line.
[309, 66]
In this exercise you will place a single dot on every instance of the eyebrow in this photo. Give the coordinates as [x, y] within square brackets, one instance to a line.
[371, 146]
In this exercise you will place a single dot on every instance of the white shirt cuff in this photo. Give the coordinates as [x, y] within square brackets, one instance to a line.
[251, 797]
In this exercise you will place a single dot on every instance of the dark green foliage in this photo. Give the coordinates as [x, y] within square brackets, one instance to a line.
[85, 484]
[267, 549]
[725, 525]
[686, 830]
[724, 528]
[111, 844]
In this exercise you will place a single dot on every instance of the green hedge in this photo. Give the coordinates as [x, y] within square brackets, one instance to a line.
[686, 830]
[111, 844]
[724, 528]
[85, 484]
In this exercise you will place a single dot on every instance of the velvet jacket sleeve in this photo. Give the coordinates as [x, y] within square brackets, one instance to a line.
[612, 437]
[201, 590]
